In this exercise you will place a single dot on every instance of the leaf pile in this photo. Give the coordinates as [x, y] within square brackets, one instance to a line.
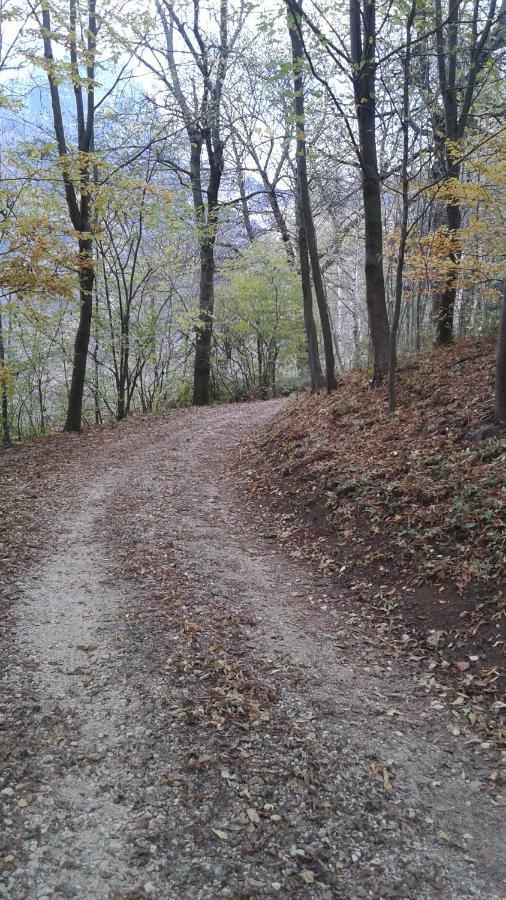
[407, 512]
[412, 490]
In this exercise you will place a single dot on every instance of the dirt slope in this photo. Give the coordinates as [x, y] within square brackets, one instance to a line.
[408, 512]
[189, 712]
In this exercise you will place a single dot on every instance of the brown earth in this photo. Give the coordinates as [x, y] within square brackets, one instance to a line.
[407, 512]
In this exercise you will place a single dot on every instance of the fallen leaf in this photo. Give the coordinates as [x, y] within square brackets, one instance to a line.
[462, 665]
[387, 784]
[307, 876]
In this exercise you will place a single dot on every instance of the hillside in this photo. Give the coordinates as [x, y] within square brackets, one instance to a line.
[407, 511]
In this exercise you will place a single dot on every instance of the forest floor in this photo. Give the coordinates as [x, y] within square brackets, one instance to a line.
[193, 710]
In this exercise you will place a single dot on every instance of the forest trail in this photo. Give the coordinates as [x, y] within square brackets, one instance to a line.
[202, 717]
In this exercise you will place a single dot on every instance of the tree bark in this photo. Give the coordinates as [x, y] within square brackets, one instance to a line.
[392, 362]
[82, 340]
[204, 330]
[446, 306]
[294, 28]
[203, 127]
[315, 369]
[207, 226]
[78, 201]
[458, 90]
[500, 369]
[4, 416]
[363, 39]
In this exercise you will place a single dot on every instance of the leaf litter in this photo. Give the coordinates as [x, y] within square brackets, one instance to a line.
[229, 698]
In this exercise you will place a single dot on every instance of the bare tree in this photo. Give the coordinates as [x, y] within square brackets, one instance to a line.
[363, 63]
[462, 66]
[359, 64]
[307, 231]
[200, 108]
[406, 84]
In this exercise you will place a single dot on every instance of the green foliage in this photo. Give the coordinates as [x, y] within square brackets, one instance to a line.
[258, 317]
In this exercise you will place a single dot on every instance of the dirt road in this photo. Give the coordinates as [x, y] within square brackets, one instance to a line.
[191, 713]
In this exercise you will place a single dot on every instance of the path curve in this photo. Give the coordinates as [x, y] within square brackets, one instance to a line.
[334, 786]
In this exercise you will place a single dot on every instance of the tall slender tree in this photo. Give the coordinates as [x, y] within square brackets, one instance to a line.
[77, 172]
[363, 62]
[307, 230]
[463, 52]
[359, 64]
[403, 236]
[200, 103]
[4, 397]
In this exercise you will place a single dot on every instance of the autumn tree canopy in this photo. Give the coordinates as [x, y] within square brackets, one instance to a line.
[220, 200]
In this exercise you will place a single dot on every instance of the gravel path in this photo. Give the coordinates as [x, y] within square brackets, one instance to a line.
[198, 716]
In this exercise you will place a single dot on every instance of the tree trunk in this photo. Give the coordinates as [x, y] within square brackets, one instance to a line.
[98, 417]
[374, 280]
[500, 370]
[207, 226]
[204, 330]
[4, 416]
[315, 369]
[399, 273]
[86, 279]
[363, 59]
[446, 309]
[78, 207]
[294, 26]
[123, 382]
[418, 321]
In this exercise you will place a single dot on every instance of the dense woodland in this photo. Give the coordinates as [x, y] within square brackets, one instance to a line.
[227, 200]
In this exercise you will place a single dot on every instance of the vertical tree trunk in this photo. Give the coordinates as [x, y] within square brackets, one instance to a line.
[374, 280]
[294, 26]
[446, 308]
[418, 321]
[86, 279]
[124, 361]
[364, 77]
[78, 206]
[392, 362]
[315, 369]
[98, 417]
[204, 330]
[4, 414]
[500, 369]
